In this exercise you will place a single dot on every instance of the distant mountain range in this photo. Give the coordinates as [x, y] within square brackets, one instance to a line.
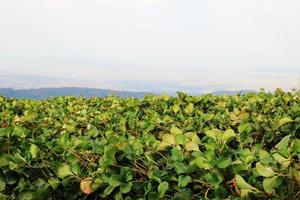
[42, 93]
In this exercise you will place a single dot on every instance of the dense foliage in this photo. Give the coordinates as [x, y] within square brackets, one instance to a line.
[157, 147]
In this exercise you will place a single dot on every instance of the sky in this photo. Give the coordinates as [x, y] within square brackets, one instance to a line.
[228, 44]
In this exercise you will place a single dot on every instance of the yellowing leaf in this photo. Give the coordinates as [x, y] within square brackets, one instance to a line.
[264, 171]
[168, 138]
[189, 108]
[214, 133]
[176, 108]
[85, 186]
[192, 136]
[282, 160]
[285, 120]
[191, 146]
[33, 150]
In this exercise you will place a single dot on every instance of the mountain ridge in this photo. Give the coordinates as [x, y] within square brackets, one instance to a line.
[43, 93]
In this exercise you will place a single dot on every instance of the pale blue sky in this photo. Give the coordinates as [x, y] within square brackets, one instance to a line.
[240, 43]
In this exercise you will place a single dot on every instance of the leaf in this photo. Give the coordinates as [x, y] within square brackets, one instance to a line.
[174, 130]
[191, 146]
[108, 190]
[183, 181]
[183, 194]
[264, 171]
[33, 150]
[228, 134]
[2, 186]
[270, 183]
[284, 120]
[189, 108]
[114, 181]
[162, 188]
[283, 144]
[64, 170]
[282, 160]
[245, 192]
[242, 184]
[192, 136]
[176, 108]
[296, 145]
[244, 128]
[180, 139]
[126, 187]
[85, 186]
[214, 133]
[224, 163]
[168, 138]
[213, 179]
[53, 182]
[177, 155]
[3, 161]
[202, 163]
[264, 157]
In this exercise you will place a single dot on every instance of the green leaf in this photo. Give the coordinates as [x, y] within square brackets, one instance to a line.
[183, 181]
[162, 188]
[53, 182]
[296, 145]
[33, 150]
[264, 157]
[244, 128]
[242, 184]
[264, 171]
[183, 194]
[191, 146]
[180, 139]
[2, 185]
[284, 120]
[283, 144]
[177, 155]
[114, 181]
[3, 161]
[270, 183]
[108, 190]
[202, 163]
[126, 187]
[227, 135]
[213, 179]
[174, 130]
[63, 171]
[224, 163]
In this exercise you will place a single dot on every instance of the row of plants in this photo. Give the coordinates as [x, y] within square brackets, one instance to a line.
[158, 147]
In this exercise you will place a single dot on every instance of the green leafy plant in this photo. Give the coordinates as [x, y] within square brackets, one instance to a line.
[158, 147]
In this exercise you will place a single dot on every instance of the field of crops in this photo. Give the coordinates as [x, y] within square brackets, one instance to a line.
[157, 147]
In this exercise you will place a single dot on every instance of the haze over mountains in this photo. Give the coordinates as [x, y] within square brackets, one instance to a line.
[26, 86]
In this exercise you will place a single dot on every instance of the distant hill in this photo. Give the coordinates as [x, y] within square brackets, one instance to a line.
[42, 93]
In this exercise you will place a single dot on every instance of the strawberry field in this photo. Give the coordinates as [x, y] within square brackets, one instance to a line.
[158, 147]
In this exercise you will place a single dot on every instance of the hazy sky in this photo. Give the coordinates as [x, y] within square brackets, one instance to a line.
[241, 43]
